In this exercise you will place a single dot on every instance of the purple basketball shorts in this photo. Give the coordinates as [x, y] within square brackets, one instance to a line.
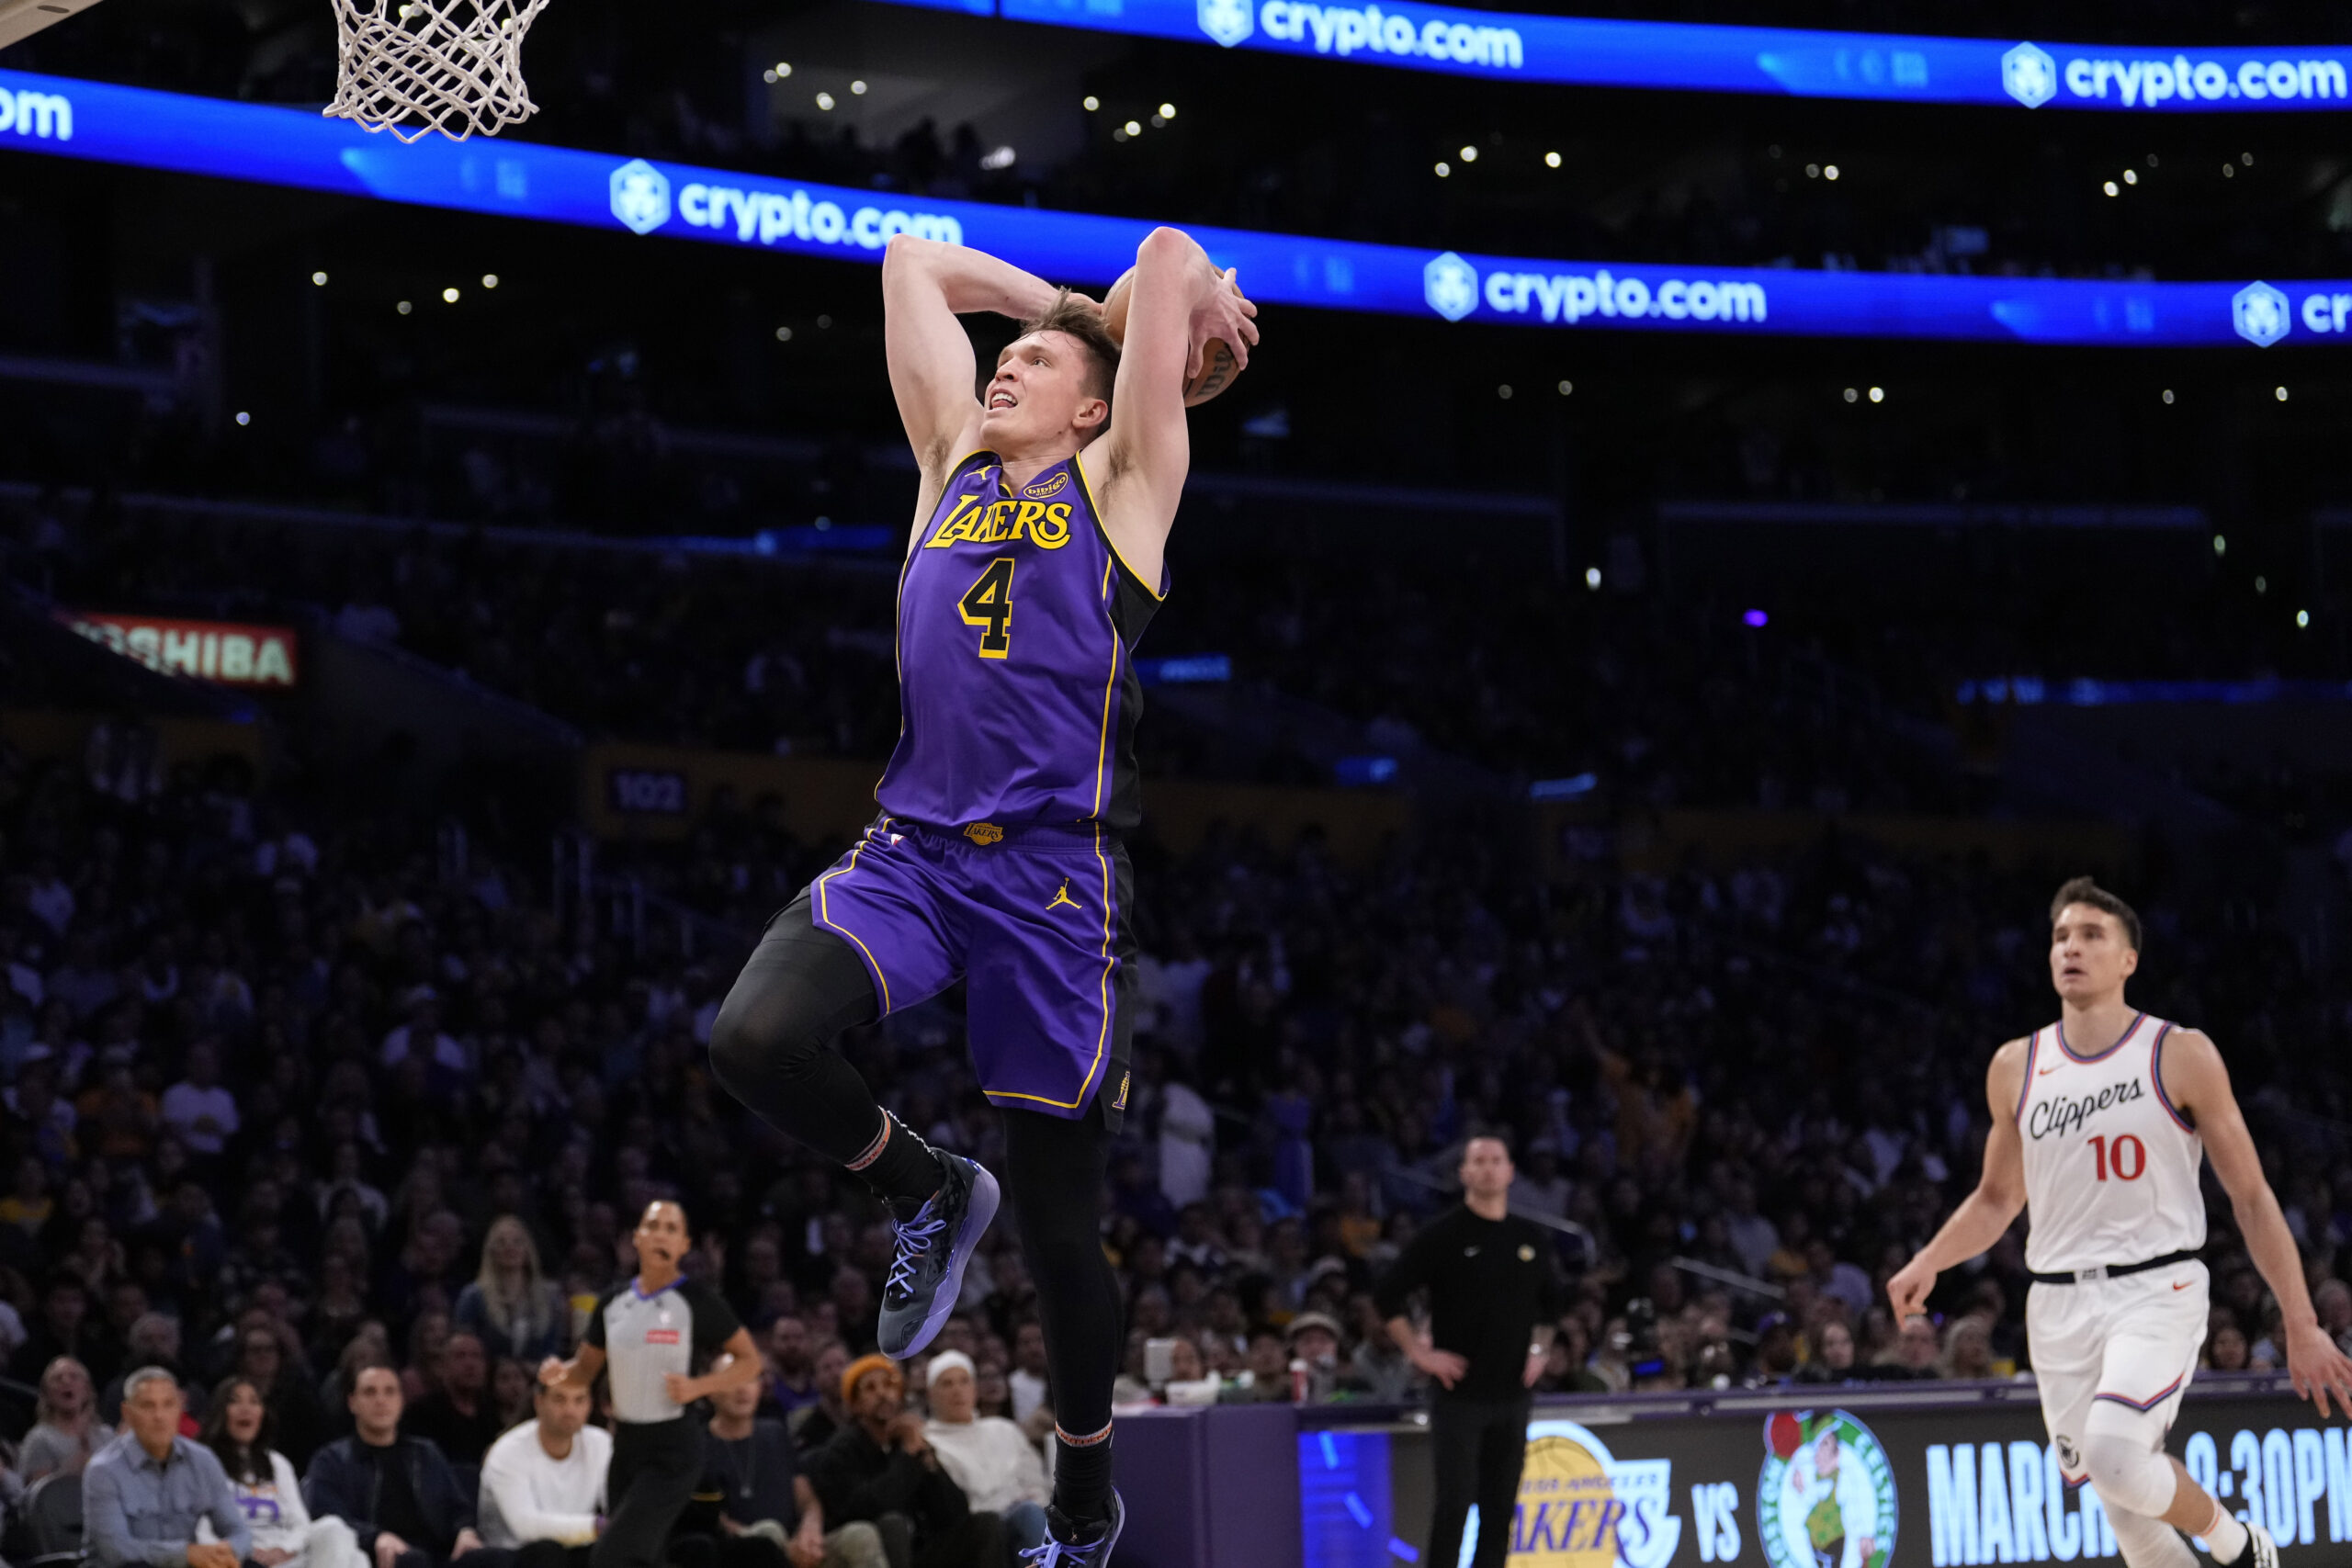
[1032, 916]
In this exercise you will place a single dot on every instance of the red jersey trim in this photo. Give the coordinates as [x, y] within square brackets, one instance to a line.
[2145, 1405]
[2156, 1077]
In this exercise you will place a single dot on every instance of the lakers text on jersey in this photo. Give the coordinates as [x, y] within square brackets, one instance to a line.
[1017, 691]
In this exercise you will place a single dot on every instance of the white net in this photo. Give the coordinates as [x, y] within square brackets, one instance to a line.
[413, 66]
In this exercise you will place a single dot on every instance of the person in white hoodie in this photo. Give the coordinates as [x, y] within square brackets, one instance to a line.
[991, 1458]
[543, 1482]
[238, 1428]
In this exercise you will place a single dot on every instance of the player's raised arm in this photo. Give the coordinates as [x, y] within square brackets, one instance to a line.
[926, 284]
[1180, 302]
[2194, 1078]
[1987, 1212]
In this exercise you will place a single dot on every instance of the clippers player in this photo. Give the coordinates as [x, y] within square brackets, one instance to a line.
[2100, 1121]
[998, 856]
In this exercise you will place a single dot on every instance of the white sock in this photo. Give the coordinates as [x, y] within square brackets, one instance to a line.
[2148, 1543]
[2224, 1536]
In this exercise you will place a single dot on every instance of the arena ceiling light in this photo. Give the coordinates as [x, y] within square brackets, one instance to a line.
[1512, 46]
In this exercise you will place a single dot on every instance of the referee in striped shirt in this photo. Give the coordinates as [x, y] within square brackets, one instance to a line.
[648, 1335]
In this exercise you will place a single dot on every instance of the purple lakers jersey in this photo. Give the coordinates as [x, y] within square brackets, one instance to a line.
[1017, 691]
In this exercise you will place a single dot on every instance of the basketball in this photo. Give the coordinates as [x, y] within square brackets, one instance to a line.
[1219, 365]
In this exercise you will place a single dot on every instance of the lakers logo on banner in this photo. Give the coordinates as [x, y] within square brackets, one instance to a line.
[1825, 1494]
[1581, 1507]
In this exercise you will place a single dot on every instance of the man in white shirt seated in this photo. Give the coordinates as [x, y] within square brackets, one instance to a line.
[543, 1482]
[991, 1458]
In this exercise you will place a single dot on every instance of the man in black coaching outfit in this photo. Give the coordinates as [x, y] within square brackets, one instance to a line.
[649, 1334]
[1494, 1291]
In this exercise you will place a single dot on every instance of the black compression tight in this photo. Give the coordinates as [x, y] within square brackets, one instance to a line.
[1054, 1168]
[772, 1044]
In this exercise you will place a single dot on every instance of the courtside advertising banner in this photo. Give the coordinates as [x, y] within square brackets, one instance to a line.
[230, 653]
[1833, 1485]
[1514, 46]
[54, 117]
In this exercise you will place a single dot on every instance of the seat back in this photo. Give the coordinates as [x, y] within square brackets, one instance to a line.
[53, 1516]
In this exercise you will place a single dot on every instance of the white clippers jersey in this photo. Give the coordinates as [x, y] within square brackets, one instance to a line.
[2110, 1167]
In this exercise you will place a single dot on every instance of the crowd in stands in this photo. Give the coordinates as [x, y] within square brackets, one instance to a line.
[693, 650]
[309, 1118]
[1524, 673]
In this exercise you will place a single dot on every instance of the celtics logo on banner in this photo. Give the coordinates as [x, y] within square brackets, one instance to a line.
[1826, 1498]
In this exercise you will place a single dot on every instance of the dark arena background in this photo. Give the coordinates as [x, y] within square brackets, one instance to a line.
[1736, 502]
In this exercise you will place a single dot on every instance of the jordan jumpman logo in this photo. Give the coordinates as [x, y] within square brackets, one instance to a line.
[1063, 897]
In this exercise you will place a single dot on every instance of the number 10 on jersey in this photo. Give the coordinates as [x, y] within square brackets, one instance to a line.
[987, 603]
[2126, 1158]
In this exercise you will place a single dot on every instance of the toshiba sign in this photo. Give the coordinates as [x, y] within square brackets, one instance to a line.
[226, 652]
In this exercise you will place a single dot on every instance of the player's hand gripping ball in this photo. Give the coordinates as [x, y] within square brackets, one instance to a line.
[1211, 364]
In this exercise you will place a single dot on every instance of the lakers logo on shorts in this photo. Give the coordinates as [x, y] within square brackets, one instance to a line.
[1063, 897]
[1120, 1103]
[984, 833]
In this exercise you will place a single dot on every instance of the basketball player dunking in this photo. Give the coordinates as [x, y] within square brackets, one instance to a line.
[997, 855]
[2100, 1121]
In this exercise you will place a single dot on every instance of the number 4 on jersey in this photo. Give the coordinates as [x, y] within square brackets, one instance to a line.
[989, 603]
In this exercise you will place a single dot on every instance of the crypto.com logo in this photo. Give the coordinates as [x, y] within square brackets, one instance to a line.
[1228, 21]
[641, 196]
[1450, 285]
[2259, 313]
[2029, 75]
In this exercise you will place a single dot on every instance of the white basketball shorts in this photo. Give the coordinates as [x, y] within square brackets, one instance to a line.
[2115, 1356]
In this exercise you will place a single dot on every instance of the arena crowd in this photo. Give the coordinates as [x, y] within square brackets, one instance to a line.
[346, 1138]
